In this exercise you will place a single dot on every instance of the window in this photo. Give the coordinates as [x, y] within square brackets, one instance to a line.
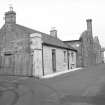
[64, 56]
[89, 41]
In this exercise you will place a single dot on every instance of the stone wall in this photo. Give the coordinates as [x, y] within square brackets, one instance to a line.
[47, 57]
[36, 51]
[61, 62]
[76, 45]
[14, 51]
[97, 48]
[88, 54]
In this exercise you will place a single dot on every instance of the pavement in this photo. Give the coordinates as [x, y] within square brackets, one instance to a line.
[60, 73]
[81, 87]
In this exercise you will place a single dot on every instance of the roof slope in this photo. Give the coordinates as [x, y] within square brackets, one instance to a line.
[47, 39]
[72, 41]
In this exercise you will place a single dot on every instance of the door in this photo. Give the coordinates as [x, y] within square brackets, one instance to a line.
[68, 56]
[54, 60]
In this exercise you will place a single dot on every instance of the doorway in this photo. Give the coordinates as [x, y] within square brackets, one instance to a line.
[54, 60]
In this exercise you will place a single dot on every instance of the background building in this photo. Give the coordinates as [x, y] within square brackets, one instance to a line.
[89, 48]
[98, 50]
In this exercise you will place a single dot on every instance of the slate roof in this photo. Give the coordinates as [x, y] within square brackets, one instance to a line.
[46, 38]
[72, 41]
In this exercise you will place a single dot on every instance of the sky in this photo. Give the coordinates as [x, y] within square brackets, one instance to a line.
[68, 16]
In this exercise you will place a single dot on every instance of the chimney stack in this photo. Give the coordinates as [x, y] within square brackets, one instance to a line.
[53, 32]
[89, 25]
[10, 16]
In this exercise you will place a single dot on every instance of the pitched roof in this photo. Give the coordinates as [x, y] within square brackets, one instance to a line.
[46, 38]
[72, 41]
[84, 33]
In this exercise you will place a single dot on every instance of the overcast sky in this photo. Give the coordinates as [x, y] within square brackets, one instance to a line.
[68, 16]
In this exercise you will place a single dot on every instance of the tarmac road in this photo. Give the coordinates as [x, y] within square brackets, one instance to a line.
[20, 94]
[83, 87]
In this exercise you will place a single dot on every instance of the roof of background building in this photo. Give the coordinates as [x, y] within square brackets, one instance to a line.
[72, 41]
[84, 33]
[46, 38]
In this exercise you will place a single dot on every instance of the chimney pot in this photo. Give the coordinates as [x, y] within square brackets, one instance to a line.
[53, 32]
[89, 25]
[10, 16]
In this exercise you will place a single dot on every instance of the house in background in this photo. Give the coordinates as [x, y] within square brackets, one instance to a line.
[28, 52]
[103, 54]
[98, 50]
[88, 48]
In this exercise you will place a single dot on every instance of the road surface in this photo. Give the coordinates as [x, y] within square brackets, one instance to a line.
[82, 87]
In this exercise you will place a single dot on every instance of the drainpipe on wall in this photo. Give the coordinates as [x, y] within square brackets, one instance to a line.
[42, 61]
[68, 58]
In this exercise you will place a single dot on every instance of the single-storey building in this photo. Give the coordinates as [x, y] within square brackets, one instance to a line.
[28, 52]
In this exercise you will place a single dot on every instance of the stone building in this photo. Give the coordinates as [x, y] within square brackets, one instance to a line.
[103, 54]
[88, 48]
[98, 50]
[28, 52]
